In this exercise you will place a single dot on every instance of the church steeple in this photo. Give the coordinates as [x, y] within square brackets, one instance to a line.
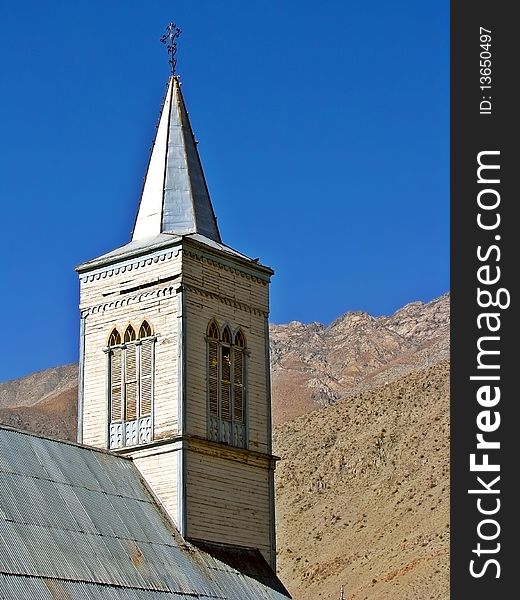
[174, 363]
[175, 197]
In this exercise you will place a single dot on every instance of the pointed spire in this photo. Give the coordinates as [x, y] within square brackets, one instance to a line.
[175, 197]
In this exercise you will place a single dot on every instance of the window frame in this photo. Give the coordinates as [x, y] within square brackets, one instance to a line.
[233, 432]
[123, 432]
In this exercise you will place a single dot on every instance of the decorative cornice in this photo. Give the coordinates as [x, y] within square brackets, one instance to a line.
[167, 292]
[203, 258]
[226, 300]
[130, 265]
[161, 256]
[112, 304]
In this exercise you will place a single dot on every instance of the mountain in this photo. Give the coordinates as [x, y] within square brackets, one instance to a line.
[362, 494]
[315, 365]
[37, 387]
[44, 402]
[361, 413]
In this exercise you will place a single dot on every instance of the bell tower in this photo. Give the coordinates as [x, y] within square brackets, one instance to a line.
[174, 359]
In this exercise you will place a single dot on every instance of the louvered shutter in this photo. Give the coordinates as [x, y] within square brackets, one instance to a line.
[225, 389]
[226, 403]
[213, 377]
[146, 378]
[131, 383]
[238, 384]
[115, 384]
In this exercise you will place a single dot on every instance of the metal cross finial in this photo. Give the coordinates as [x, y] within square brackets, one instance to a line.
[172, 32]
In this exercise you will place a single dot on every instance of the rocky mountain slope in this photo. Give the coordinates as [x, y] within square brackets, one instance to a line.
[314, 365]
[363, 494]
[43, 402]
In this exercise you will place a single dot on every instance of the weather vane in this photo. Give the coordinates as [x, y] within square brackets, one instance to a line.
[172, 33]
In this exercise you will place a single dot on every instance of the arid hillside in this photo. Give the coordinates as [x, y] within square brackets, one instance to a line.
[314, 365]
[37, 387]
[43, 402]
[363, 494]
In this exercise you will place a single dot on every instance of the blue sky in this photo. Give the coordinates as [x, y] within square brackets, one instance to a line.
[323, 130]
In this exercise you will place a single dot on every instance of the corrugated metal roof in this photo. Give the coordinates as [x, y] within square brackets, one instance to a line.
[78, 523]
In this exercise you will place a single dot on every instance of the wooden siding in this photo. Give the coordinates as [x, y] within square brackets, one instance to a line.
[161, 310]
[200, 309]
[228, 502]
[104, 284]
[159, 469]
[199, 270]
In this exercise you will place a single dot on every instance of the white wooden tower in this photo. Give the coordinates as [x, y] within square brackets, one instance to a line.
[174, 364]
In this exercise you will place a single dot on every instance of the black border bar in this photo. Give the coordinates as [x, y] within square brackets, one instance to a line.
[485, 256]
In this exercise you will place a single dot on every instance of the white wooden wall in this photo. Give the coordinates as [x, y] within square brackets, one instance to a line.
[109, 298]
[229, 498]
[159, 468]
[240, 302]
[228, 502]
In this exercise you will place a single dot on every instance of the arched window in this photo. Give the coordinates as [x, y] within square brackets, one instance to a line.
[116, 367]
[146, 369]
[240, 340]
[130, 369]
[213, 335]
[226, 356]
[226, 335]
[225, 379]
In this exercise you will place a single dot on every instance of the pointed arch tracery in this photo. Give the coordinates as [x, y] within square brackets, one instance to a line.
[240, 340]
[145, 330]
[115, 338]
[213, 330]
[129, 334]
[226, 335]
